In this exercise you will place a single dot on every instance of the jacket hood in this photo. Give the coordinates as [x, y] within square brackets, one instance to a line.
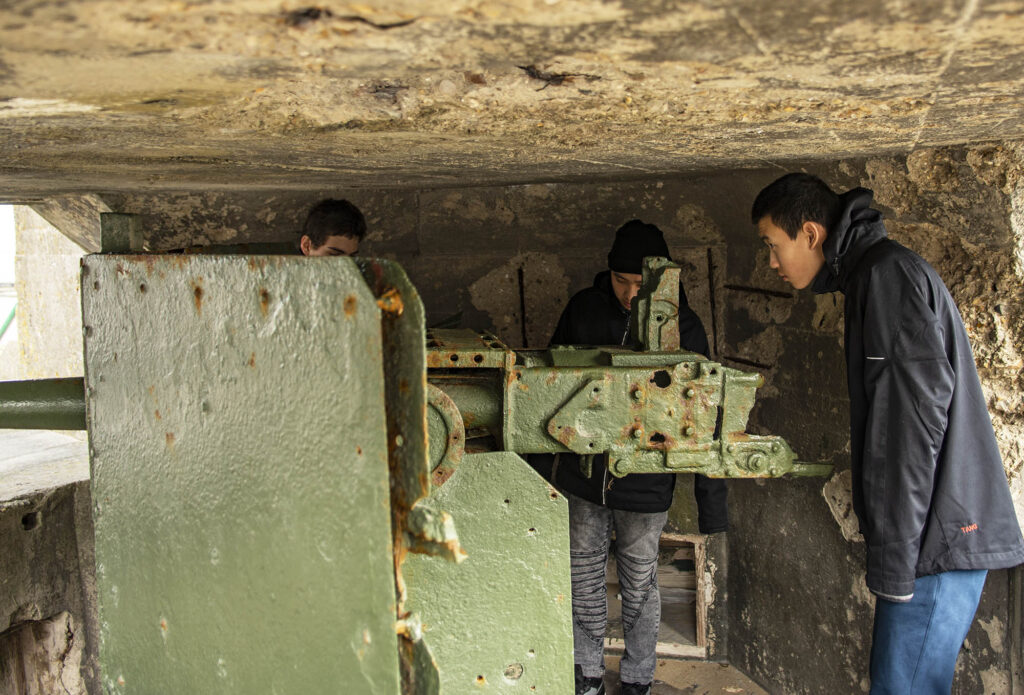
[858, 227]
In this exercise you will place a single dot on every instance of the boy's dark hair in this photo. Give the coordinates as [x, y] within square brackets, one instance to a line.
[794, 199]
[334, 218]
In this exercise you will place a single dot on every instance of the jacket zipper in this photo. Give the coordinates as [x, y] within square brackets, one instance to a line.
[626, 334]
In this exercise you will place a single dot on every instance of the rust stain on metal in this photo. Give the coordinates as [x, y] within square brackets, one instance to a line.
[257, 262]
[403, 386]
[169, 438]
[552, 378]
[157, 413]
[197, 294]
[252, 359]
[441, 474]
[350, 305]
[264, 301]
[567, 434]
[390, 302]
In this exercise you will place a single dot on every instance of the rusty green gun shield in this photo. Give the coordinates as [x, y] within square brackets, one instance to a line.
[501, 621]
[239, 476]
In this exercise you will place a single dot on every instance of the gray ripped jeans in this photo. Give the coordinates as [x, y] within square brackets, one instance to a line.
[636, 556]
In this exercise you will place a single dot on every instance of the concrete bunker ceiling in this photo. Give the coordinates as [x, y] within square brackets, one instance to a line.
[145, 95]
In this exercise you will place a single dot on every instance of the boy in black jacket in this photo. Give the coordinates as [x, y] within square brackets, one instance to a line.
[929, 487]
[636, 505]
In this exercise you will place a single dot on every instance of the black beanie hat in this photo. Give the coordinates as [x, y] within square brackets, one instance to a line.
[634, 241]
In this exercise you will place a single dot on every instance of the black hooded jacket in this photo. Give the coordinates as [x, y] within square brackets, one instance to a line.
[594, 316]
[929, 487]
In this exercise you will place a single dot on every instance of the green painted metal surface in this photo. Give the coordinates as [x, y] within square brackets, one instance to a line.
[462, 348]
[501, 621]
[657, 409]
[239, 476]
[446, 433]
[656, 319]
[43, 404]
[404, 361]
[686, 415]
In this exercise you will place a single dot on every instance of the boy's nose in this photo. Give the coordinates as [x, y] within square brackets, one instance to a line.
[772, 260]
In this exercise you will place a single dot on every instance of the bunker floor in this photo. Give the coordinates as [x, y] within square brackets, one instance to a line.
[678, 677]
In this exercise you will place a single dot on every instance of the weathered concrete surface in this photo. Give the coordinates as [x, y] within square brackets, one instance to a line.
[49, 309]
[109, 94]
[42, 657]
[476, 255]
[48, 625]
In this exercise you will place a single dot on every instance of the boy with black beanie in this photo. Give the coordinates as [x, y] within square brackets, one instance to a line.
[635, 506]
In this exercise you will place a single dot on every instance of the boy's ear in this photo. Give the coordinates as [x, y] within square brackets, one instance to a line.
[814, 233]
[306, 245]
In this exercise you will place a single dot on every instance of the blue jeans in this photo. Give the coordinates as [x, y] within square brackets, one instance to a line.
[915, 644]
[636, 556]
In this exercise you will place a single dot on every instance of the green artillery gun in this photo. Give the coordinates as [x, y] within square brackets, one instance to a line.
[657, 409]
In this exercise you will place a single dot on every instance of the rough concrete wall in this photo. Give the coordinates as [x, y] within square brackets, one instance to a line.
[960, 209]
[148, 94]
[476, 255]
[47, 595]
[42, 657]
[49, 307]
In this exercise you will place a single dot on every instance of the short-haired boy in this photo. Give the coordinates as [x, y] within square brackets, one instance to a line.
[332, 228]
[929, 487]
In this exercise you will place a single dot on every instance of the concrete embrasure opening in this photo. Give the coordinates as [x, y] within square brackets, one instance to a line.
[682, 626]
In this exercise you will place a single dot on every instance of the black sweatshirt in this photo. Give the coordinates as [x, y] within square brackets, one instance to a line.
[929, 487]
[595, 317]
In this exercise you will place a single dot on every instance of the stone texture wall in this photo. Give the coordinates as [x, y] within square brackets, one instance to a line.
[48, 625]
[49, 305]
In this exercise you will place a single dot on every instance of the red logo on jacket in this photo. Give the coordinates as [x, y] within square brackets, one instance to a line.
[969, 529]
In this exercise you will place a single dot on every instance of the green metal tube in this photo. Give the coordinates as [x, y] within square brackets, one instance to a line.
[479, 400]
[43, 404]
[8, 320]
